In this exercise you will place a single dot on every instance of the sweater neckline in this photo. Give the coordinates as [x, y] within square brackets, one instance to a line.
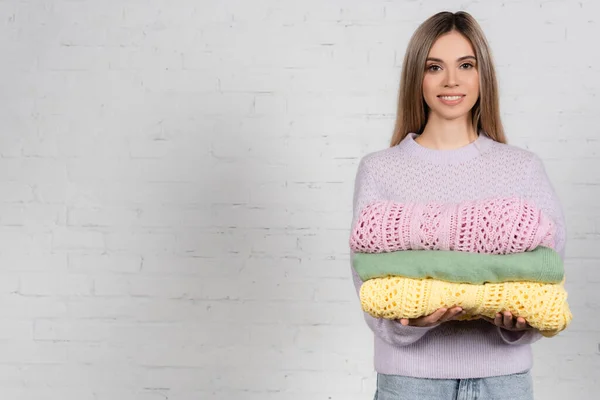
[461, 154]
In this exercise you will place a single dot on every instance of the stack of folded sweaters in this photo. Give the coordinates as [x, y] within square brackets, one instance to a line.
[486, 256]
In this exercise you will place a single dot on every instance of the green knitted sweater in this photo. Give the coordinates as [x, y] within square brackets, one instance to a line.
[539, 265]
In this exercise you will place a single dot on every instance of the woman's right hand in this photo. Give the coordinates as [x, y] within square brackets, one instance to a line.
[439, 316]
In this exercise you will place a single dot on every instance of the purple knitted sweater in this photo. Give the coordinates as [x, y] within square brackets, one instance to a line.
[411, 173]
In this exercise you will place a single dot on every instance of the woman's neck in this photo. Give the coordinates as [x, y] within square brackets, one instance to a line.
[447, 134]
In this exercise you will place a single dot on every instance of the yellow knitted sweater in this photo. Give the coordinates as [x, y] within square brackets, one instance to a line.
[543, 306]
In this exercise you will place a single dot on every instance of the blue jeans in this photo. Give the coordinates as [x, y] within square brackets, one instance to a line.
[509, 387]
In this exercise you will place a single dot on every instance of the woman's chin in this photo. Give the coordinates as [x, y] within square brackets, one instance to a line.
[452, 116]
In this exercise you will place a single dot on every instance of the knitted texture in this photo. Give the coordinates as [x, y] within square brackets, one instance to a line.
[496, 226]
[539, 265]
[409, 173]
[542, 305]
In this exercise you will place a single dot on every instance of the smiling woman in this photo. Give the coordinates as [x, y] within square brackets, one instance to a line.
[448, 57]
[450, 182]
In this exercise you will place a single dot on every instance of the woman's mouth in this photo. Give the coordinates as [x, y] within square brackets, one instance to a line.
[451, 100]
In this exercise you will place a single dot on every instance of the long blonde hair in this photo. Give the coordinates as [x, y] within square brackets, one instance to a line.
[413, 111]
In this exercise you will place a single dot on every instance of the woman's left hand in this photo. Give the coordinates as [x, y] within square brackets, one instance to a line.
[507, 321]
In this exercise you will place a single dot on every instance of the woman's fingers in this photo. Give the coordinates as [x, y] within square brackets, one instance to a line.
[498, 321]
[433, 318]
[508, 320]
[451, 313]
[439, 315]
[443, 315]
[521, 324]
[504, 320]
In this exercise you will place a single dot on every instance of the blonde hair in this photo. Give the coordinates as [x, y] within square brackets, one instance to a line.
[413, 111]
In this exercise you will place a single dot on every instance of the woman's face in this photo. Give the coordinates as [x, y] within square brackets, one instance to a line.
[451, 80]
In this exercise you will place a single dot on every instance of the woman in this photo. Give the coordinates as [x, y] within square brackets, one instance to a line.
[449, 146]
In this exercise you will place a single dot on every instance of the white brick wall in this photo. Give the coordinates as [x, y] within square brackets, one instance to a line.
[176, 182]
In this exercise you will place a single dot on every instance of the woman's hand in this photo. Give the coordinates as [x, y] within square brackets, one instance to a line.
[440, 315]
[507, 321]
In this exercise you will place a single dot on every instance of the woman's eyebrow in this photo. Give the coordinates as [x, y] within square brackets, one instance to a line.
[458, 59]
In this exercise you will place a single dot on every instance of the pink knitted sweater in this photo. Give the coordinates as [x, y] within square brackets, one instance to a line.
[494, 226]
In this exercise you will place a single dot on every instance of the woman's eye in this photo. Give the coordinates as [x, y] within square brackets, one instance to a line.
[433, 68]
[467, 65]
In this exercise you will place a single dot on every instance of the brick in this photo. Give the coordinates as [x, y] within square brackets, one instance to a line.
[11, 144]
[77, 239]
[33, 262]
[34, 393]
[32, 170]
[183, 266]
[31, 352]
[101, 264]
[16, 306]
[101, 217]
[14, 241]
[12, 192]
[39, 284]
[74, 58]
[140, 242]
[81, 376]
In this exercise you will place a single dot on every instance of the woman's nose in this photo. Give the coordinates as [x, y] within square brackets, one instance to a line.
[450, 78]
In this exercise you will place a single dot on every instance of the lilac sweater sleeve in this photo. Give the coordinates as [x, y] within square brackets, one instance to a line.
[542, 193]
[391, 331]
[366, 190]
